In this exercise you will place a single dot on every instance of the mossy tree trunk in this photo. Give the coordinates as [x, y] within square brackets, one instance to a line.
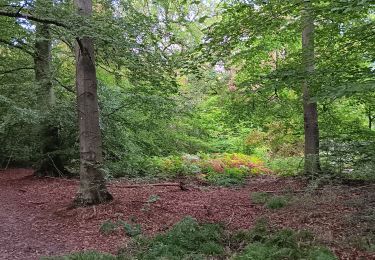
[50, 163]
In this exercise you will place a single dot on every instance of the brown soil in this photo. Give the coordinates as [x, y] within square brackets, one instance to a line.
[35, 218]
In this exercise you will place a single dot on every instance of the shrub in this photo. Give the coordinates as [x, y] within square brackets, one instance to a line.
[277, 202]
[173, 166]
[271, 202]
[287, 166]
[283, 244]
[218, 169]
[231, 169]
[224, 180]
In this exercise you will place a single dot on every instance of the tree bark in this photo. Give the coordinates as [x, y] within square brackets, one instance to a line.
[310, 110]
[370, 118]
[92, 183]
[50, 163]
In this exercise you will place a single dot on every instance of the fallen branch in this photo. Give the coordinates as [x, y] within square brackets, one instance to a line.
[181, 185]
[38, 202]
[285, 191]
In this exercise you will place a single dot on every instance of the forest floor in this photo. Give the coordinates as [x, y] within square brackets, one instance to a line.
[36, 220]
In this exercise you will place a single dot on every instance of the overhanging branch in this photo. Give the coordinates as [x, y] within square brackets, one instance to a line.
[20, 47]
[14, 70]
[68, 88]
[32, 18]
[39, 20]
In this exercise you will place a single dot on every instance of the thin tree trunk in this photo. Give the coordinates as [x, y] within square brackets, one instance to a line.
[310, 110]
[92, 183]
[370, 118]
[50, 163]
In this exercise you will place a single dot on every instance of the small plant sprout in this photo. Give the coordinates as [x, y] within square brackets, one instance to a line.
[108, 227]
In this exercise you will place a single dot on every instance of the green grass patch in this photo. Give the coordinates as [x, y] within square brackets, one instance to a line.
[89, 255]
[260, 197]
[270, 201]
[277, 202]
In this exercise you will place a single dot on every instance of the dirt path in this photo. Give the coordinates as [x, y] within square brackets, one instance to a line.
[35, 221]
[26, 224]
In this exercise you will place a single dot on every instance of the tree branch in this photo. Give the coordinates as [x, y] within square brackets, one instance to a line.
[39, 20]
[20, 47]
[70, 89]
[32, 18]
[16, 69]
[115, 110]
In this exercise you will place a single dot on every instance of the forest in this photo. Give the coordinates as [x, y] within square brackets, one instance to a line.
[187, 129]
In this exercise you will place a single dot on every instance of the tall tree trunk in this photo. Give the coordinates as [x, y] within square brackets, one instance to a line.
[92, 183]
[310, 110]
[50, 163]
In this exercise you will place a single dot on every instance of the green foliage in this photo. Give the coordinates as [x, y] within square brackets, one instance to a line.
[286, 166]
[350, 158]
[223, 81]
[219, 169]
[230, 176]
[130, 229]
[277, 202]
[283, 244]
[173, 166]
[223, 180]
[190, 240]
[271, 202]
[260, 197]
[258, 251]
[108, 227]
[186, 240]
[89, 255]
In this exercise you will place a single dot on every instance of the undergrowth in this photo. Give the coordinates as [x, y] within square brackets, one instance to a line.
[86, 255]
[264, 244]
[224, 169]
[130, 229]
[271, 202]
[186, 240]
[189, 239]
